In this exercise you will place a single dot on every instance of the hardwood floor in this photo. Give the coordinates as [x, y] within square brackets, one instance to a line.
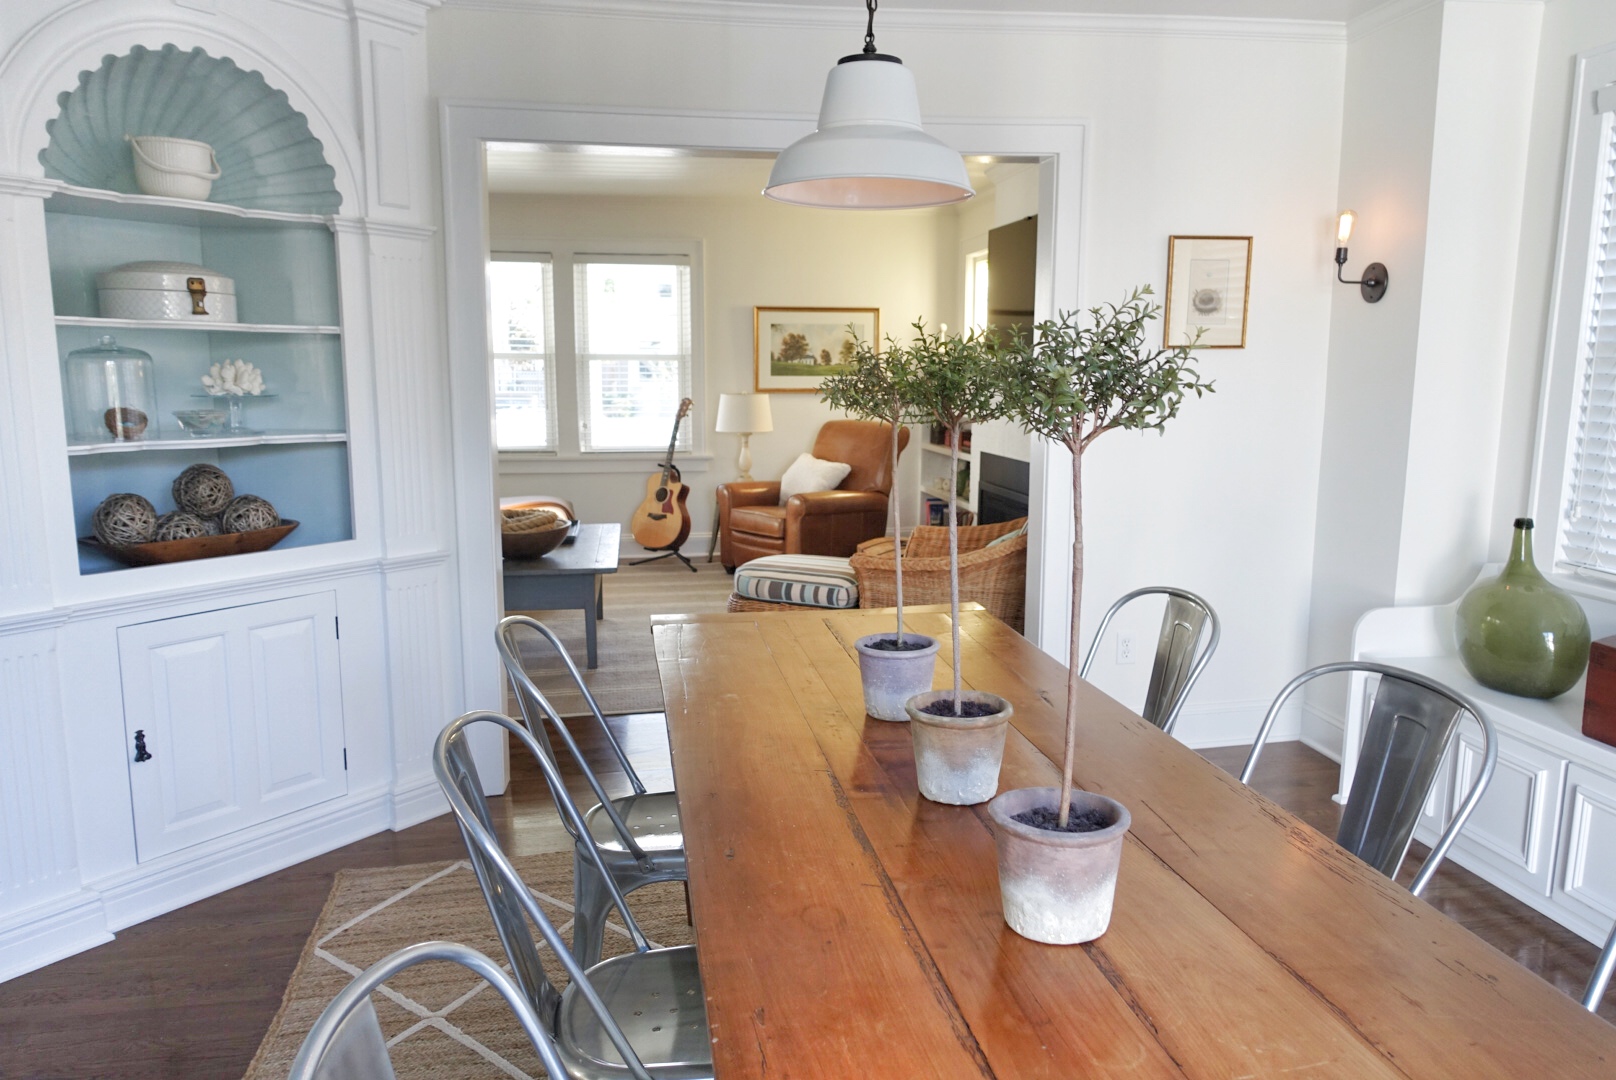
[189, 994]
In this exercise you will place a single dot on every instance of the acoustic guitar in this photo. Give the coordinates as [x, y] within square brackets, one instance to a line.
[662, 520]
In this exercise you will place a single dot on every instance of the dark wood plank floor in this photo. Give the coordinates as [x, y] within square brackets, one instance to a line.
[191, 993]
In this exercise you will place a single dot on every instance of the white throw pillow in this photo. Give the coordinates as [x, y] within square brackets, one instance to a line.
[809, 473]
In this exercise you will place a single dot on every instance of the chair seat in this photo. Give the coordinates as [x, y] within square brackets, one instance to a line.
[821, 581]
[759, 520]
[657, 999]
[652, 819]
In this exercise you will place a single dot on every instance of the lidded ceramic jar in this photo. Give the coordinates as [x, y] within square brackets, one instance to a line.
[111, 393]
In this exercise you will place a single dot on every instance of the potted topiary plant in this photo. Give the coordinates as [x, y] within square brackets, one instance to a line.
[1070, 383]
[958, 734]
[893, 667]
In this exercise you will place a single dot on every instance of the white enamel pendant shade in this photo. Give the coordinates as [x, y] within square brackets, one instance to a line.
[268, 157]
[869, 151]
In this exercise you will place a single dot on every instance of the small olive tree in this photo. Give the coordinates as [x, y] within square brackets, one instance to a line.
[877, 386]
[956, 381]
[1072, 383]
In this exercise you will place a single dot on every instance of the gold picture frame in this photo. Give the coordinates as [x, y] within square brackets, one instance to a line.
[1208, 290]
[794, 348]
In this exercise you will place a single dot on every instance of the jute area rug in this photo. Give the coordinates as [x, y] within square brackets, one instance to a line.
[441, 1021]
[626, 680]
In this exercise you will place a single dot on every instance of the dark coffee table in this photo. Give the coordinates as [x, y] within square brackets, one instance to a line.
[568, 577]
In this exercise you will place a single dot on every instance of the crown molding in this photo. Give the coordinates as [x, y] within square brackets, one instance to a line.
[1394, 11]
[804, 17]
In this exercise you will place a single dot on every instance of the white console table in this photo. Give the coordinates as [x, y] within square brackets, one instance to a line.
[1545, 832]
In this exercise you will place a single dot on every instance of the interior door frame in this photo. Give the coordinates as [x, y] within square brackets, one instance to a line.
[1060, 147]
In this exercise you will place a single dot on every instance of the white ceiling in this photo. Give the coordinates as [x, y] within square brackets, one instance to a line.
[1320, 10]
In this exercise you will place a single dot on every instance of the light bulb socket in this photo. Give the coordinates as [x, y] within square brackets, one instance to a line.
[888, 57]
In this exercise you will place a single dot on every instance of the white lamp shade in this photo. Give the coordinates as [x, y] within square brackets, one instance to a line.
[743, 414]
[869, 152]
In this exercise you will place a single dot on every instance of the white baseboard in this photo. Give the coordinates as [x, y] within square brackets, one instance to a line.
[46, 933]
[1232, 723]
[419, 802]
[1323, 730]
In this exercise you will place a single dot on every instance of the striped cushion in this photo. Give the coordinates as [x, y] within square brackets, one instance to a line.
[810, 580]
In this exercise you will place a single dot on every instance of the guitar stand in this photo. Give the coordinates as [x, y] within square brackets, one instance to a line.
[670, 553]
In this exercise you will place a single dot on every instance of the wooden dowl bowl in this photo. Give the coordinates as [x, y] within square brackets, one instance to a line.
[196, 547]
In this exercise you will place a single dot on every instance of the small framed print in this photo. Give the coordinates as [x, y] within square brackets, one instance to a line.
[796, 347]
[1208, 289]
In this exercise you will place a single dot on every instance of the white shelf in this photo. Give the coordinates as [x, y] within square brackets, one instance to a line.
[175, 324]
[965, 455]
[942, 493]
[94, 202]
[208, 442]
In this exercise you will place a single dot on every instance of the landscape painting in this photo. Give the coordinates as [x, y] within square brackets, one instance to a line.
[797, 347]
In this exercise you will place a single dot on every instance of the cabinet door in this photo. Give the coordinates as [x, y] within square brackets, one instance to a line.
[1514, 824]
[240, 712]
[1588, 841]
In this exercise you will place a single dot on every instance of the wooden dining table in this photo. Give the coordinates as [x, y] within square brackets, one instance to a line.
[846, 927]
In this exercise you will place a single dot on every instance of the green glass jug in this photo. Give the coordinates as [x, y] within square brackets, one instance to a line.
[1520, 634]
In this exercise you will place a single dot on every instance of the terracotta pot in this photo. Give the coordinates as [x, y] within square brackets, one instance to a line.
[1057, 887]
[892, 678]
[957, 757]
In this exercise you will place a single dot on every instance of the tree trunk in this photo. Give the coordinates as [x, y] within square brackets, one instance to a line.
[897, 536]
[1073, 659]
[953, 555]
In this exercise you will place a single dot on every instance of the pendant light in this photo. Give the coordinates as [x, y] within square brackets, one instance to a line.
[869, 152]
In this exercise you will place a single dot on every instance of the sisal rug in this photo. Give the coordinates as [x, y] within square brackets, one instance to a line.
[441, 1021]
[626, 680]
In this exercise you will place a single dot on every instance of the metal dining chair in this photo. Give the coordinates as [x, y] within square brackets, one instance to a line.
[638, 837]
[1411, 722]
[1179, 661]
[1600, 979]
[646, 1008]
[347, 1043]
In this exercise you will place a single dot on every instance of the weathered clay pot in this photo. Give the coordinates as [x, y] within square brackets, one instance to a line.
[892, 678]
[1057, 887]
[957, 757]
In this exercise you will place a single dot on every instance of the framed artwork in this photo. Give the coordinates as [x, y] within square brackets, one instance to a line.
[796, 347]
[1208, 290]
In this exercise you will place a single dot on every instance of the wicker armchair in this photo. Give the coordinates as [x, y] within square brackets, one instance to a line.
[995, 577]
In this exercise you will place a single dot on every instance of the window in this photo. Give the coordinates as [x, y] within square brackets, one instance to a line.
[976, 290]
[1582, 353]
[593, 352]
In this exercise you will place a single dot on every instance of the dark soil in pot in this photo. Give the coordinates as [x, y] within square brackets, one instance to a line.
[892, 644]
[1078, 821]
[945, 707]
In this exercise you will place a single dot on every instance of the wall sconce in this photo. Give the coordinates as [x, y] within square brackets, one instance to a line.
[1372, 286]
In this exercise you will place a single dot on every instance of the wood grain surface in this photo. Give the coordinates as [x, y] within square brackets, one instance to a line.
[845, 925]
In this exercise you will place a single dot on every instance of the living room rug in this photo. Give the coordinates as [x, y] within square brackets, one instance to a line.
[441, 1021]
[626, 680]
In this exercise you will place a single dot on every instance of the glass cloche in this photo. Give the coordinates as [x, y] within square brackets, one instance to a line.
[111, 394]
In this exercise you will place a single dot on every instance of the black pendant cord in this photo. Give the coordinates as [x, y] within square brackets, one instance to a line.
[869, 29]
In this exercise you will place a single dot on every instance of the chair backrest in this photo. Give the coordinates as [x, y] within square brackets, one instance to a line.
[1411, 722]
[510, 902]
[864, 444]
[541, 718]
[1600, 979]
[1179, 659]
[346, 1042]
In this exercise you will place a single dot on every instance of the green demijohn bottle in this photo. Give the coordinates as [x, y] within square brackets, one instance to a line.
[1518, 632]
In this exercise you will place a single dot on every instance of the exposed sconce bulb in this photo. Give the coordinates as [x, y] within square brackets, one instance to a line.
[1343, 227]
[944, 327]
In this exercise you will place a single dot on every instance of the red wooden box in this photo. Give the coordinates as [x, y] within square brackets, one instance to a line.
[1599, 706]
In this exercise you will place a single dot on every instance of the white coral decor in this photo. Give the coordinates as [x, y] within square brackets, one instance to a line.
[235, 378]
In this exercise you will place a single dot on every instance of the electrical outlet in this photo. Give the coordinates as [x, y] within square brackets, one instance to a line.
[1124, 648]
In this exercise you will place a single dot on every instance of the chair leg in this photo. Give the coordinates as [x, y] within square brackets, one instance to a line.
[591, 901]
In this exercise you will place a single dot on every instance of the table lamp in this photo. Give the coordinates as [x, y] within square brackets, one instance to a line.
[743, 414]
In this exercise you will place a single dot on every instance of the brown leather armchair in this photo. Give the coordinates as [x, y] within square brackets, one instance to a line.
[752, 524]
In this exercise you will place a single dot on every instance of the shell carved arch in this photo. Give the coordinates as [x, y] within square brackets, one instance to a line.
[268, 157]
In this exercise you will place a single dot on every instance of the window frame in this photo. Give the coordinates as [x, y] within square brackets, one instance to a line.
[1569, 310]
[568, 456]
[548, 352]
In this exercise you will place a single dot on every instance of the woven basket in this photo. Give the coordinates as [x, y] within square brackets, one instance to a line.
[737, 602]
[530, 533]
[995, 577]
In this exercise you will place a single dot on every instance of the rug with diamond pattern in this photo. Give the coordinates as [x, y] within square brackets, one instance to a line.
[440, 1020]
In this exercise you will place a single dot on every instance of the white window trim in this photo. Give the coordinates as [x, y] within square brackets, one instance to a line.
[568, 456]
[1567, 323]
[548, 353]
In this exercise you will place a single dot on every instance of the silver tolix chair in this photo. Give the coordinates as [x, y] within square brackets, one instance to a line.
[638, 837]
[1179, 660]
[646, 1009]
[1411, 722]
[346, 1042]
[1600, 979]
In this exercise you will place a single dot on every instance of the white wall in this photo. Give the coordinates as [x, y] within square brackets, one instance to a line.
[1232, 132]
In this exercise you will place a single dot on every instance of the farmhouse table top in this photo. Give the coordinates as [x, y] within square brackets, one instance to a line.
[847, 927]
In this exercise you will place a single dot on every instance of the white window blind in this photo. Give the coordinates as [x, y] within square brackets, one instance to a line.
[521, 297]
[633, 333]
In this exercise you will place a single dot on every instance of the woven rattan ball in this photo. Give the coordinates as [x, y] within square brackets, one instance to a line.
[124, 519]
[203, 490]
[214, 525]
[180, 525]
[249, 513]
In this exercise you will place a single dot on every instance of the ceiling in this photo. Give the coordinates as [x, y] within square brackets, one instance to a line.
[1329, 11]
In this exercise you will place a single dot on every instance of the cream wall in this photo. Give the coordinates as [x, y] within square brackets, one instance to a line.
[1224, 131]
